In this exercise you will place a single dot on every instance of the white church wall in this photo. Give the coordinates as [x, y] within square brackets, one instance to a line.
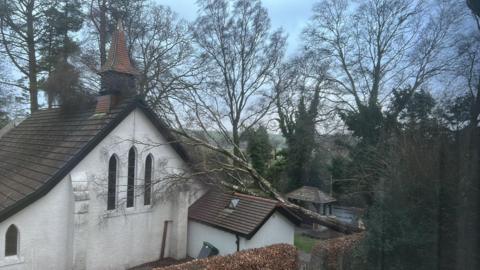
[44, 232]
[126, 237]
[70, 228]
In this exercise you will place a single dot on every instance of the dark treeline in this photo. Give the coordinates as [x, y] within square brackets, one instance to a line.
[379, 106]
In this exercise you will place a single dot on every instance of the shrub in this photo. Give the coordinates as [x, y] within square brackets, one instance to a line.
[335, 254]
[275, 257]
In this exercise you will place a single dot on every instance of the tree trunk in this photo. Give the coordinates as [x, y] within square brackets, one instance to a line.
[267, 187]
[32, 59]
[236, 141]
[103, 32]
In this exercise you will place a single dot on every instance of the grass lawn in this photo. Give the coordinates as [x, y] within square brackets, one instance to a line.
[304, 243]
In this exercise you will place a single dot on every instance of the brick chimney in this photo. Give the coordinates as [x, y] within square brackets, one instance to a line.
[117, 73]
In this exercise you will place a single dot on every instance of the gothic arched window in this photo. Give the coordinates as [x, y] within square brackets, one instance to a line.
[148, 180]
[112, 183]
[11, 241]
[131, 177]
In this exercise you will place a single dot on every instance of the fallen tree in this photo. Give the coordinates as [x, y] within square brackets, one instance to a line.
[237, 164]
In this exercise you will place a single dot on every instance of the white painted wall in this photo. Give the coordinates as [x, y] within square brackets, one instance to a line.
[70, 228]
[199, 233]
[44, 231]
[278, 229]
[126, 237]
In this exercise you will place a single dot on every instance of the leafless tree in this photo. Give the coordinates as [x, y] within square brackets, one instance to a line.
[238, 56]
[220, 94]
[468, 67]
[379, 46]
[159, 43]
[239, 53]
[304, 76]
[103, 15]
[163, 50]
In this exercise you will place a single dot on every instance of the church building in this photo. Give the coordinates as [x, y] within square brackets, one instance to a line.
[87, 189]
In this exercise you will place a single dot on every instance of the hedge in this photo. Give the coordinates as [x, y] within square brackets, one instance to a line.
[275, 257]
[334, 254]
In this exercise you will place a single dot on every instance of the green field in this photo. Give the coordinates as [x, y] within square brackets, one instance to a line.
[304, 243]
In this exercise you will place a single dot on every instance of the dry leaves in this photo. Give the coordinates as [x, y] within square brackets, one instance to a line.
[328, 252]
[275, 257]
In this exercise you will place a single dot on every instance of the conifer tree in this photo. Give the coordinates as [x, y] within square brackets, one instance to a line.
[259, 149]
[302, 142]
[57, 46]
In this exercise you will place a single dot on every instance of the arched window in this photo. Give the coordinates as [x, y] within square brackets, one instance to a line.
[131, 178]
[148, 180]
[112, 183]
[11, 241]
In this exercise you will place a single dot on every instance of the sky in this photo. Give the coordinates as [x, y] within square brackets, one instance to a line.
[291, 15]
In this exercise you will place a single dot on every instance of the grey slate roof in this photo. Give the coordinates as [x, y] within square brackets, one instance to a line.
[245, 220]
[310, 194]
[41, 151]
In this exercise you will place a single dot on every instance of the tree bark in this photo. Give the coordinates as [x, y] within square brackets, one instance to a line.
[236, 141]
[32, 59]
[103, 32]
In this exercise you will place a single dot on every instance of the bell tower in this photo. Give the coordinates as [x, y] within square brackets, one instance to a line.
[117, 73]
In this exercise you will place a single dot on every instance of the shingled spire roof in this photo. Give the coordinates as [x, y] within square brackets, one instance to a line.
[118, 59]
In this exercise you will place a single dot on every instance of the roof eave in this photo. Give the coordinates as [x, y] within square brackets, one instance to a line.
[285, 212]
[220, 227]
[60, 174]
[63, 172]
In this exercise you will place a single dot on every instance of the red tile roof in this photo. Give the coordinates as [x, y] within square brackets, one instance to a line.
[245, 220]
[118, 59]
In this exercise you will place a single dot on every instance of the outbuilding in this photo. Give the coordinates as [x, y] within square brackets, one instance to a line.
[232, 222]
[313, 199]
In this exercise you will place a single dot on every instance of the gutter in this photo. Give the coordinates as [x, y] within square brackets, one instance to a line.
[237, 242]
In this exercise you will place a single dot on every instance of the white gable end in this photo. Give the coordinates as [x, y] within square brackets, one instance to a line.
[72, 221]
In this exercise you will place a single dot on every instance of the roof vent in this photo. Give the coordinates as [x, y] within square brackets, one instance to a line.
[233, 203]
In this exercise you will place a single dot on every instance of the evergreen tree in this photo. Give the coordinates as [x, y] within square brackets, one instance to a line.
[318, 171]
[457, 112]
[418, 110]
[64, 84]
[413, 214]
[259, 149]
[302, 142]
[277, 172]
[57, 45]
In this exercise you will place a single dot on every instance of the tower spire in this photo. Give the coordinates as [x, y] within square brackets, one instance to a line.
[118, 73]
[118, 59]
